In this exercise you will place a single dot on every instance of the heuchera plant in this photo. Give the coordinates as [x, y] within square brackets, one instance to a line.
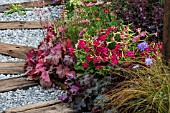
[51, 59]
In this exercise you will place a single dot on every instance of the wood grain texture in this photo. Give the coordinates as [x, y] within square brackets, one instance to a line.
[22, 24]
[14, 50]
[54, 106]
[15, 83]
[166, 32]
[11, 67]
[28, 5]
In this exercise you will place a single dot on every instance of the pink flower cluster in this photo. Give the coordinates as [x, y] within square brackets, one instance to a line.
[98, 52]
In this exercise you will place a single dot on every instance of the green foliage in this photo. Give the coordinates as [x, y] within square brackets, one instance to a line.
[78, 15]
[16, 8]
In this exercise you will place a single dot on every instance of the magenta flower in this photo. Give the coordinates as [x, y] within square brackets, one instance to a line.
[96, 60]
[114, 59]
[102, 37]
[90, 4]
[87, 48]
[81, 44]
[71, 50]
[98, 67]
[143, 33]
[130, 54]
[142, 46]
[85, 21]
[85, 65]
[96, 43]
[105, 50]
[82, 32]
[136, 38]
[99, 3]
[148, 61]
[88, 58]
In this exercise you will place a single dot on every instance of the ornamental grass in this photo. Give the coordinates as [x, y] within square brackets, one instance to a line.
[147, 92]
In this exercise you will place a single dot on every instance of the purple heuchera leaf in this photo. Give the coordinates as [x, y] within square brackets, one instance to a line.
[63, 97]
[53, 58]
[45, 76]
[74, 89]
[71, 74]
[57, 47]
[44, 47]
[62, 70]
[31, 54]
[68, 60]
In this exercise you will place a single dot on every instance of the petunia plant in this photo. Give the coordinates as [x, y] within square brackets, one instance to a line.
[114, 47]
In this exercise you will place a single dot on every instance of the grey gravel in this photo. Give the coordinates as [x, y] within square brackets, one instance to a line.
[25, 37]
[4, 58]
[2, 76]
[2, 2]
[45, 13]
[32, 95]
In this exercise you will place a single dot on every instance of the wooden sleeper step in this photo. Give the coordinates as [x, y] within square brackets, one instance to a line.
[11, 67]
[54, 106]
[36, 24]
[13, 50]
[6, 7]
[13, 84]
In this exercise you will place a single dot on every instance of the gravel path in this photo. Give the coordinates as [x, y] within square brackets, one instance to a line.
[32, 95]
[45, 13]
[2, 2]
[26, 37]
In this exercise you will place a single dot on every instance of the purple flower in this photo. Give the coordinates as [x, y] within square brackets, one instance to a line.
[142, 46]
[148, 61]
[136, 66]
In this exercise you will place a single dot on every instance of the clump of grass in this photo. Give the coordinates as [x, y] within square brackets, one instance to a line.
[147, 92]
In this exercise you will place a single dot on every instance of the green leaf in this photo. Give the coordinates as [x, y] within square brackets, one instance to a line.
[111, 45]
[80, 74]
[76, 67]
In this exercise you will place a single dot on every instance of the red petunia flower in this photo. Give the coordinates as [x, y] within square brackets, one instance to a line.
[81, 44]
[85, 65]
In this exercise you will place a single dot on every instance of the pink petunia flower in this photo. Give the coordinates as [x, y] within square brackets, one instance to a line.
[143, 33]
[82, 32]
[71, 50]
[130, 54]
[81, 43]
[102, 37]
[136, 38]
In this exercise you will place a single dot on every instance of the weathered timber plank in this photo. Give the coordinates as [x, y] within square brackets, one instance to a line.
[166, 32]
[28, 5]
[11, 67]
[15, 83]
[54, 106]
[14, 50]
[22, 24]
